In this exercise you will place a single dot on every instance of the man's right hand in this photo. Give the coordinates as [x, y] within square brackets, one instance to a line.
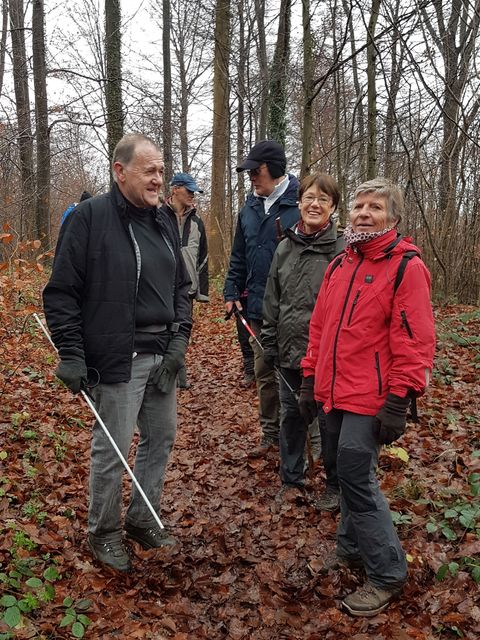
[230, 304]
[72, 371]
[306, 403]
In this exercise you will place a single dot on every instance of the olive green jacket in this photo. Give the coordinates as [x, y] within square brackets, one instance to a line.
[293, 283]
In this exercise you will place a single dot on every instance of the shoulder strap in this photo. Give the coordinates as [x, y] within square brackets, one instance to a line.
[407, 256]
[337, 261]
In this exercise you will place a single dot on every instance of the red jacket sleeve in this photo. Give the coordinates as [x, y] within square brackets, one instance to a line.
[412, 332]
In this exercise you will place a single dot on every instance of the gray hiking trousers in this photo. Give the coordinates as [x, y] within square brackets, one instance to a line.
[366, 530]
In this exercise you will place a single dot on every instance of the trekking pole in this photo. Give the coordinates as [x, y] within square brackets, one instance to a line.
[88, 399]
[250, 331]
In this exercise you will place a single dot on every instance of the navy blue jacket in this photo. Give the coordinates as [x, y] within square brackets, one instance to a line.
[256, 239]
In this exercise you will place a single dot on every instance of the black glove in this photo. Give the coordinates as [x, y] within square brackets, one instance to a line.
[306, 402]
[391, 420]
[270, 357]
[164, 374]
[72, 370]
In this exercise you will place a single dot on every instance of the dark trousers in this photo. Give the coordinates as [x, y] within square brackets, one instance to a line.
[366, 529]
[267, 389]
[245, 347]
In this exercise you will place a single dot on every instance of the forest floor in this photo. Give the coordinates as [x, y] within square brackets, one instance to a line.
[240, 567]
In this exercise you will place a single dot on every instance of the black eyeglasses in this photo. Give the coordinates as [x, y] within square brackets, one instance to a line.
[254, 172]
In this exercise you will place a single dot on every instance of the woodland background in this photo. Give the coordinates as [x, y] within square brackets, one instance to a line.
[356, 88]
[353, 88]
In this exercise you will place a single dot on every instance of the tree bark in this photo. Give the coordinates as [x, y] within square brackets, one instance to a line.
[307, 128]
[217, 241]
[263, 69]
[372, 93]
[113, 66]
[277, 119]
[167, 94]
[42, 204]
[22, 104]
[3, 42]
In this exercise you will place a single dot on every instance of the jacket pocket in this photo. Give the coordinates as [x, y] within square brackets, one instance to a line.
[404, 324]
[355, 300]
[379, 373]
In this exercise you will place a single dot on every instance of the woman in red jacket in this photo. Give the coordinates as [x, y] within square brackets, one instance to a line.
[371, 347]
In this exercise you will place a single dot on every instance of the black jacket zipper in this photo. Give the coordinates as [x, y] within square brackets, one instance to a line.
[405, 323]
[379, 373]
[355, 300]
[335, 344]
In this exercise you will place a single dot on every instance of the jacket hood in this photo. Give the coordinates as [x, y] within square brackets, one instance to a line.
[167, 208]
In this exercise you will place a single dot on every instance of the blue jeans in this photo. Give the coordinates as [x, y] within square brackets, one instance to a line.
[122, 406]
[366, 530]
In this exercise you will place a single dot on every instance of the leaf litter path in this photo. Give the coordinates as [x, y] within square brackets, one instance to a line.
[240, 568]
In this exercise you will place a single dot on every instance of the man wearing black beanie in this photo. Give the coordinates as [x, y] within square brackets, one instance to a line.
[269, 208]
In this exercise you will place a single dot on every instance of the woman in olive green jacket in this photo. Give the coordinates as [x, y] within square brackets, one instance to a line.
[295, 276]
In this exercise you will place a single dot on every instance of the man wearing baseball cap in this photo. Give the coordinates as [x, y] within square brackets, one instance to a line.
[269, 208]
[180, 206]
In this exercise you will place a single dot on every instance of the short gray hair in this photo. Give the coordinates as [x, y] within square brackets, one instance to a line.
[388, 190]
[126, 146]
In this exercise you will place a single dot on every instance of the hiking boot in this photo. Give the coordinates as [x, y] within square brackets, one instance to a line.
[290, 493]
[151, 537]
[248, 380]
[113, 554]
[329, 500]
[369, 600]
[333, 561]
[266, 444]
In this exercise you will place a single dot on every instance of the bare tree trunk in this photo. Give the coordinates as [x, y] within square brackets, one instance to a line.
[3, 41]
[394, 85]
[22, 103]
[307, 90]
[167, 94]
[372, 93]
[113, 64]
[263, 69]
[42, 205]
[358, 90]
[217, 239]
[277, 121]
[242, 55]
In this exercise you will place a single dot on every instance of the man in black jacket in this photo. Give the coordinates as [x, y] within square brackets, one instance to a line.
[117, 306]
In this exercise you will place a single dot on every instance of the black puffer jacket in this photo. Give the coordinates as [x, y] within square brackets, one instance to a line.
[293, 284]
[90, 299]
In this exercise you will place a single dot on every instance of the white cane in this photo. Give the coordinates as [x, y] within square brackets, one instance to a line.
[88, 400]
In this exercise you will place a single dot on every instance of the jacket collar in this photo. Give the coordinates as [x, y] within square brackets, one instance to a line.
[378, 248]
[288, 198]
[327, 237]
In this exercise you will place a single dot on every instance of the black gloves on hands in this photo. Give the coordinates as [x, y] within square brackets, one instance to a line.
[391, 420]
[270, 358]
[306, 402]
[72, 370]
[165, 374]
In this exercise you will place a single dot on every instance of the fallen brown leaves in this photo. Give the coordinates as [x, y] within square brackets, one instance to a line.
[240, 569]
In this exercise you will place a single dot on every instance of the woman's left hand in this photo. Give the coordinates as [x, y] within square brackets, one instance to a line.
[391, 420]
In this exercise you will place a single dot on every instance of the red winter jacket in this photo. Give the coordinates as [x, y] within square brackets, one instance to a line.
[365, 340]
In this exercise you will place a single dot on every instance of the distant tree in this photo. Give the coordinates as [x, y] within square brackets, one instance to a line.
[217, 242]
[22, 104]
[277, 118]
[167, 93]
[113, 68]
[372, 92]
[42, 203]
